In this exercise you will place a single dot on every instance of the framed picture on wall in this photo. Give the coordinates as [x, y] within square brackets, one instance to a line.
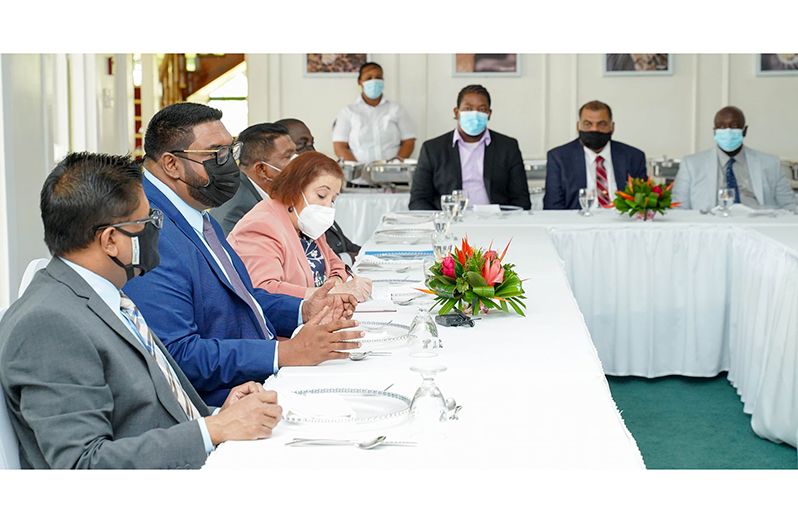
[776, 64]
[637, 64]
[486, 65]
[334, 64]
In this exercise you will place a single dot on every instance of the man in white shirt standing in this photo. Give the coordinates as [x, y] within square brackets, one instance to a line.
[592, 161]
[759, 179]
[373, 128]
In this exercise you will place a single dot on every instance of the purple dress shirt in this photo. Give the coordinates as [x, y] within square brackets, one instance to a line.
[472, 166]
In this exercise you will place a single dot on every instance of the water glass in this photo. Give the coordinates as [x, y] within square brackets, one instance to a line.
[450, 206]
[725, 201]
[428, 409]
[442, 245]
[587, 198]
[442, 222]
[423, 334]
[461, 195]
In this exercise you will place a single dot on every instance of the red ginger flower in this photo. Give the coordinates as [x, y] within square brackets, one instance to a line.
[447, 266]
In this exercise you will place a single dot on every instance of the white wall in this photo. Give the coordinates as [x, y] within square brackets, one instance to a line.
[663, 115]
[28, 114]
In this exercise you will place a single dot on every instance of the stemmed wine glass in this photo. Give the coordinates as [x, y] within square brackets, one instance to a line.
[428, 409]
[586, 199]
[450, 206]
[461, 195]
[442, 222]
[725, 200]
[423, 334]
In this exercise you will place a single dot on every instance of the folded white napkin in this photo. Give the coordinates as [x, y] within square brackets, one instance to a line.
[314, 406]
[422, 220]
[487, 209]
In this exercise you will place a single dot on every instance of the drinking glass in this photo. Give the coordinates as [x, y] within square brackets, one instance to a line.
[428, 409]
[442, 245]
[586, 199]
[725, 200]
[461, 195]
[423, 334]
[450, 206]
[442, 222]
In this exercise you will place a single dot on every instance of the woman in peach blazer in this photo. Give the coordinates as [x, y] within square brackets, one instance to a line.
[281, 240]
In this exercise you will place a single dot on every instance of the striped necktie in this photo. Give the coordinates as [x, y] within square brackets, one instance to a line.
[731, 180]
[132, 313]
[602, 186]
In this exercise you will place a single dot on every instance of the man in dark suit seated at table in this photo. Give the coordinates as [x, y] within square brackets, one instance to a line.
[592, 161]
[200, 300]
[485, 163]
[266, 149]
[87, 383]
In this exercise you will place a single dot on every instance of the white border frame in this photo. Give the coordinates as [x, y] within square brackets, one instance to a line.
[668, 71]
[760, 72]
[306, 74]
[516, 73]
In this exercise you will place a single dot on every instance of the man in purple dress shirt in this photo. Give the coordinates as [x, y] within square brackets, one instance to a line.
[485, 163]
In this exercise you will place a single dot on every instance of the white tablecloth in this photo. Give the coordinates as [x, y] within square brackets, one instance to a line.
[359, 213]
[688, 294]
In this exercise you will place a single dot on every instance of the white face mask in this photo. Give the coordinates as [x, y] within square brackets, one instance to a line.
[277, 169]
[315, 219]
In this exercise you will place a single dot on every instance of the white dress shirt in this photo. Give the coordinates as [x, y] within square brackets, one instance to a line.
[110, 295]
[195, 220]
[373, 133]
[590, 164]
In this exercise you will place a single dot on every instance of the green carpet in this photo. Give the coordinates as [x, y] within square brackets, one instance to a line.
[694, 423]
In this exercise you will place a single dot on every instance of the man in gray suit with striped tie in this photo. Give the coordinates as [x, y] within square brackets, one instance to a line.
[87, 384]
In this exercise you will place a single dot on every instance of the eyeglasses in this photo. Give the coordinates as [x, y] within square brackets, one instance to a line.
[155, 218]
[222, 153]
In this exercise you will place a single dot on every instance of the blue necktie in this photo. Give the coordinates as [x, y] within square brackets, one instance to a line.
[731, 181]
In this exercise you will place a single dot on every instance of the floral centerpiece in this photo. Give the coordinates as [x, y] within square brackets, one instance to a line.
[644, 199]
[477, 278]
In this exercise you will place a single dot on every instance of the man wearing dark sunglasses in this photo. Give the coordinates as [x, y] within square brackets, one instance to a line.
[200, 300]
[87, 383]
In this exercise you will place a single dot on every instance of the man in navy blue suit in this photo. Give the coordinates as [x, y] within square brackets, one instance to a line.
[592, 161]
[199, 300]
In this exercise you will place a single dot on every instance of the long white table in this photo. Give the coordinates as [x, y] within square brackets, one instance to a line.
[685, 294]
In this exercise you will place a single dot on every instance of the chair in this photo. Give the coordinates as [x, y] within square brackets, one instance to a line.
[33, 267]
[9, 446]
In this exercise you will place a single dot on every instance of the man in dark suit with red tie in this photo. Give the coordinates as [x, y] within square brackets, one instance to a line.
[592, 161]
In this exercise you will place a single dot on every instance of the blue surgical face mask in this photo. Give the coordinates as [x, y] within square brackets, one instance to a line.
[373, 88]
[473, 122]
[729, 139]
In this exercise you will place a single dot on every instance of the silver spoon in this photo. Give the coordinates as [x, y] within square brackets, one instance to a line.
[365, 445]
[357, 356]
[407, 301]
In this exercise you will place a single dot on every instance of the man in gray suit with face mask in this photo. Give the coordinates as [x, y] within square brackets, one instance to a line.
[87, 384]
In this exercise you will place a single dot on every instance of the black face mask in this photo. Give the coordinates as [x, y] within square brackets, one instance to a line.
[223, 181]
[594, 140]
[145, 251]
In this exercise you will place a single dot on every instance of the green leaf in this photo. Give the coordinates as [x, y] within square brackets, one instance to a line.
[476, 279]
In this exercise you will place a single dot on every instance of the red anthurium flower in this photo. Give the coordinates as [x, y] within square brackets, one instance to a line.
[447, 266]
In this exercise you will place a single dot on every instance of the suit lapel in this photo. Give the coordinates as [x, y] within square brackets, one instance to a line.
[160, 201]
[580, 169]
[294, 244]
[710, 167]
[63, 273]
[453, 153]
[250, 186]
[487, 164]
[754, 164]
[620, 169]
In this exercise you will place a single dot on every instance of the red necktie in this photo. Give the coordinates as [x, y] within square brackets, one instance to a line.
[602, 187]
